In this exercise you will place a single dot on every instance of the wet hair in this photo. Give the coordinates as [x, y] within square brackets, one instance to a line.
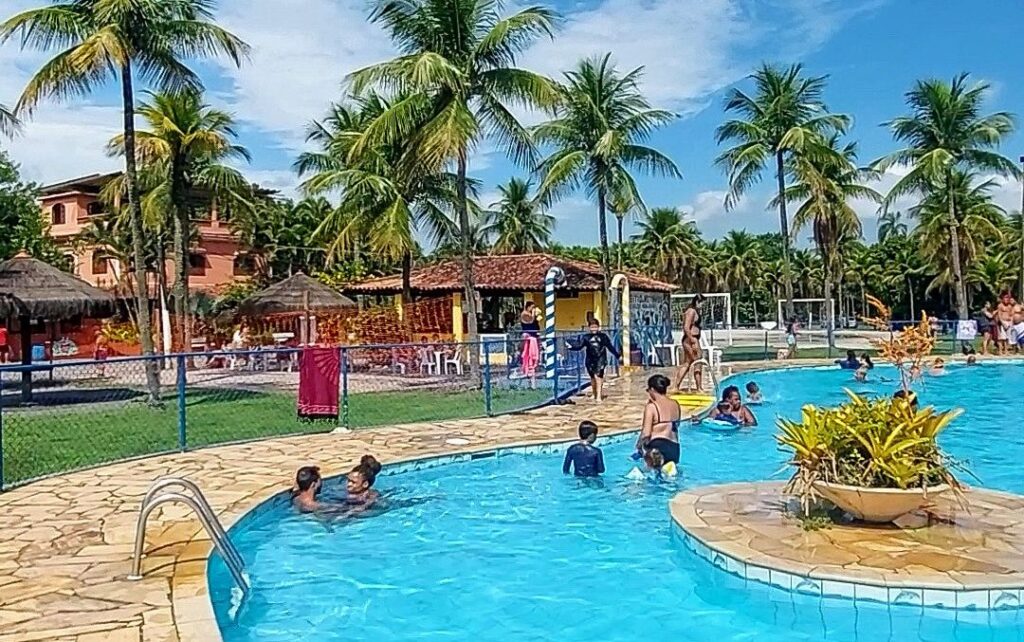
[972, 358]
[654, 459]
[728, 391]
[851, 355]
[696, 300]
[587, 430]
[306, 477]
[368, 467]
[867, 360]
[659, 384]
[751, 386]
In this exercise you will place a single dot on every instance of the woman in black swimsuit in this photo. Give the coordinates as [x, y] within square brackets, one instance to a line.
[661, 421]
[691, 345]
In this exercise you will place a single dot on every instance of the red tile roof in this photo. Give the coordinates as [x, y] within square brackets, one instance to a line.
[520, 272]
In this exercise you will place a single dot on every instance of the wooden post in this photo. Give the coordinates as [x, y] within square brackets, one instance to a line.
[26, 358]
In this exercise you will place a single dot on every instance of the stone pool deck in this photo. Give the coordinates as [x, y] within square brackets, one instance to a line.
[953, 556]
[65, 542]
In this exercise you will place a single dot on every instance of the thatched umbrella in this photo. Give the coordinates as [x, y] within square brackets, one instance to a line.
[298, 294]
[31, 289]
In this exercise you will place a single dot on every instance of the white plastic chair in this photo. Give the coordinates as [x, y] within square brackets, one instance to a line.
[426, 361]
[454, 360]
[713, 352]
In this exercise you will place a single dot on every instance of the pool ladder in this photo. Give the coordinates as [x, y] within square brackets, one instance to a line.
[197, 502]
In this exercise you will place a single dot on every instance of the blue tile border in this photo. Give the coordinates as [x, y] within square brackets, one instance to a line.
[998, 599]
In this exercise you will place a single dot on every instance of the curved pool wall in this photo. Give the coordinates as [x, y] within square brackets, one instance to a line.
[502, 542]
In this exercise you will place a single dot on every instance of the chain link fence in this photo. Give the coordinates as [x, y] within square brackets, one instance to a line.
[67, 415]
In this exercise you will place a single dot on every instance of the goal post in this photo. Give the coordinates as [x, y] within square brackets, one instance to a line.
[716, 312]
[806, 314]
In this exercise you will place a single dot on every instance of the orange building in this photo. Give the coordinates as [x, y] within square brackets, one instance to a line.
[69, 206]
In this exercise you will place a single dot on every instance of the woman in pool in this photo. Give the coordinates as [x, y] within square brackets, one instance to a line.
[531, 346]
[731, 409]
[938, 367]
[359, 485]
[660, 429]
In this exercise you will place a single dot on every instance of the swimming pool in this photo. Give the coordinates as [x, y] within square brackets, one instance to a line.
[506, 548]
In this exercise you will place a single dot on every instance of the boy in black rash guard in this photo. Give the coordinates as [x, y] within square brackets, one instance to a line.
[597, 345]
[584, 456]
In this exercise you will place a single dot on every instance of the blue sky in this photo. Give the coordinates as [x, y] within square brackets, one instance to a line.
[693, 50]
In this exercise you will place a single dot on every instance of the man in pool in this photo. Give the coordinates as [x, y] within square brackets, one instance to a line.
[583, 457]
[307, 486]
[850, 362]
[597, 346]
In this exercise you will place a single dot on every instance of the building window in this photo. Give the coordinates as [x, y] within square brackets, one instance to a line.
[99, 263]
[196, 264]
[245, 265]
[94, 209]
[57, 214]
[70, 265]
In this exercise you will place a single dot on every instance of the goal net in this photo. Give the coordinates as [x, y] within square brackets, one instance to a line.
[812, 315]
[715, 314]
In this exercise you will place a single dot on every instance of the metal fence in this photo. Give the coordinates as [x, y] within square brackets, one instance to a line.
[67, 415]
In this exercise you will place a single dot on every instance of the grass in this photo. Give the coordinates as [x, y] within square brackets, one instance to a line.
[50, 439]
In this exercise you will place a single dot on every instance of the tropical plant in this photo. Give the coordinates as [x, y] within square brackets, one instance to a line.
[518, 222]
[667, 241]
[785, 115]
[827, 179]
[185, 148]
[457, 76]
[381, 205]
[946, 133]
[23, 227]
[739, 264]
[890, 223]
[870, 443]
[8, 121]
[601, 122]
[100, 38]
[991, 274]
[906, 349]
[621, 205]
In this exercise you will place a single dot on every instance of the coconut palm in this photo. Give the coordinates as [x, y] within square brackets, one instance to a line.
[457, 75]
[977, 225]
[381, 205]
[621, 205]
[784, 115]
[666, 241]
[991, 274]
[186, 144]
[946, 133]
[902, 270]
[100, 38]
[740, 264]
[601, 122]
[890, 224]
[826, 180]
[8, 121]
[517, 221]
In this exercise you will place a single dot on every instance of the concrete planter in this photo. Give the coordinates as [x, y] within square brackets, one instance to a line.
[878, 505]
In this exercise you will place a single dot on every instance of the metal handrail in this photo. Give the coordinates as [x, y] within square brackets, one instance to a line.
[711, 373]
[209, 521]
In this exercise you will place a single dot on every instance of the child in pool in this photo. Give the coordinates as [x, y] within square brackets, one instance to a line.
[938, 367]
[656, 462]
[754, 393]
[861, 375]
[584, 457]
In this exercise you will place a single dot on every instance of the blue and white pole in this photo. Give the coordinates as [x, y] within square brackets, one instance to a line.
[620, 281]
[554, 276]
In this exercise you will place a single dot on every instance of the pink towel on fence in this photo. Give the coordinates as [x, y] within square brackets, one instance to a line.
[319, 371]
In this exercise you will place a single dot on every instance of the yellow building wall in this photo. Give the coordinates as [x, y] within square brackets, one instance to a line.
[570, 313]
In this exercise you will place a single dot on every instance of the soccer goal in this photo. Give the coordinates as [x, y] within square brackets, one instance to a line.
[715, 313]
[812, 314]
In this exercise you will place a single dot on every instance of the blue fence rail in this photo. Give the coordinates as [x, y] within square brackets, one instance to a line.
[69, 415]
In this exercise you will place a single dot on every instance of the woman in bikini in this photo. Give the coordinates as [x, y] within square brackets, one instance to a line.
[661, 421]
[531, 345]
[691, 345]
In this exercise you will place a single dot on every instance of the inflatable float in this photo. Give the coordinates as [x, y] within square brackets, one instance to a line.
[693, 400]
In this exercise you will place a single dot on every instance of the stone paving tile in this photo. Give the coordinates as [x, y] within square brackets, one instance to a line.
[65, 542]
[966, 549]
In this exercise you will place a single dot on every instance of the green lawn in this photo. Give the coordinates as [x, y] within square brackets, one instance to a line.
[50, 439]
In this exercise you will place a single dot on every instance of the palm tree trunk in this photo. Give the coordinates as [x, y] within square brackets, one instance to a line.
[602, 225]
[910, 292]
[181, 252]
[959, 293]
[468, 288]
[407, 277]
[830, 321]
[138, 247]
[618, 224]
[787, 277]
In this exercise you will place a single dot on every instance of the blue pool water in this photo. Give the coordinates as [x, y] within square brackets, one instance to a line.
[508, 549]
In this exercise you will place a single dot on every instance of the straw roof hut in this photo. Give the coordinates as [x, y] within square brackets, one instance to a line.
[298, 294]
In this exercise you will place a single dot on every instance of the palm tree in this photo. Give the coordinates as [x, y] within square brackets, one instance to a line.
[620, 205]
[946, 133]
[890, 224]
[8, 121]
[381, 205]
[902, 268]
[186, 145]
[666, 241]
[518, 221]
[977, 224]
[992, 274]
[784, 116]
[826, 180]
[99, 38]
[740, 264]
[600, 123]
[458, 78]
